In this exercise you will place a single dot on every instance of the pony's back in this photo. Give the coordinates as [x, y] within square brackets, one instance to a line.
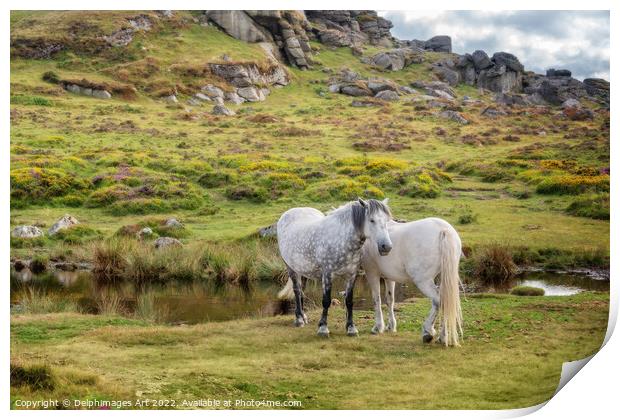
[295, 234]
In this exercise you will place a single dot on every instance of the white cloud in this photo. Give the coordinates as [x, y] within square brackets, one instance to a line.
[575, 40]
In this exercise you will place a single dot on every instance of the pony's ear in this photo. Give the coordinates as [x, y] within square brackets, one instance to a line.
[385, 201]
[362, 202]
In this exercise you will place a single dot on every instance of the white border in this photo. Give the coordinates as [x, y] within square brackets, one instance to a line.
[593, 393]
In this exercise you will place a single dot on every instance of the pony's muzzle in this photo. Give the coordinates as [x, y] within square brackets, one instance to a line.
[385, 248]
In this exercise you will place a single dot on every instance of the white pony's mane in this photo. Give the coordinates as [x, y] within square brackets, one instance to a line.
[373, 205]
[359, 212]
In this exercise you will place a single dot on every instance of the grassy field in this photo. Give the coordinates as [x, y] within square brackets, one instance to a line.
[511, 357]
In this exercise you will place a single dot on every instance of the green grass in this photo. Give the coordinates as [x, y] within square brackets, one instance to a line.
[77, 234]
[593, 206]
[30, 100]
[527, 291]
[511, 356]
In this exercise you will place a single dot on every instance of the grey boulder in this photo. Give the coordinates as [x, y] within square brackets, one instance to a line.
[234, 98]
[171, 99]
[251, 94]
[174, 223]
[26, 232]
[165, 242]
[510, 61]
[335, 38]
[395, 59]
[597, 88]
[559, 73]
[334, 88]
[407, 90]
[100, 94]
[194, 102]
[498, 79]
[353, 90]
[510, 99]
[439, 43]
[387, 95]
[145, 232]
[64, 222]
[222, 110]
[491, 112]
[238, 24]
[454, 116]
[447, 75]
[213, 91]
[201, 96]
[571, 103]
[377, 86]
[481, 60]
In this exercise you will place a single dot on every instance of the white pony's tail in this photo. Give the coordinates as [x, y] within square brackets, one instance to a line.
[449, 299]
[287, 291]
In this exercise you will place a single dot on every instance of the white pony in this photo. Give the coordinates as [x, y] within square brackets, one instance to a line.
[422, 250]
[320, 247]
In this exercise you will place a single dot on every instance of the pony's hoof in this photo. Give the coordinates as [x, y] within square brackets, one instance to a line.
[391, 328]
[305, 319]
[323, 331]
[352, 331]
[427, 338]
[377, 330]
[299, 322]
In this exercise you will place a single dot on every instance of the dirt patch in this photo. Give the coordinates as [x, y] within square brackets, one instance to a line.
[263, 119]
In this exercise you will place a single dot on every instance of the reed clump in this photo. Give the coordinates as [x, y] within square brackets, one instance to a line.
[240, 263]
[494, 265]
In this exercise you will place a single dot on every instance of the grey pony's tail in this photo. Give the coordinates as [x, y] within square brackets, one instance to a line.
[449, 298]
[287, 291]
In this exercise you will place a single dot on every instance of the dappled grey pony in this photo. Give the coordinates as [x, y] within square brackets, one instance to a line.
[422, 251]
[321, 247]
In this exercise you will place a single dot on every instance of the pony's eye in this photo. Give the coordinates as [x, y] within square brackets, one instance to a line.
[372, 220]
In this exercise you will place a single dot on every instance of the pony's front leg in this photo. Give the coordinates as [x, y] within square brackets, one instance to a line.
[389, 298]
[327, 301]
[374, 281]
[351, 330]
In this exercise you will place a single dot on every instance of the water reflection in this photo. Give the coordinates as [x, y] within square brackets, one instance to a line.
[562, 284]
[551, 290]
[199, 303]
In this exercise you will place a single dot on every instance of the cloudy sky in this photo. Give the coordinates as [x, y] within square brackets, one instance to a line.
[574, 40]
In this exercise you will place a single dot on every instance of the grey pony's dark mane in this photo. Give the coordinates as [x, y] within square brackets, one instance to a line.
[358, 212]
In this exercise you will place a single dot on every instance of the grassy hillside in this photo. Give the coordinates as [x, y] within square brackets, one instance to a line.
[527, 179]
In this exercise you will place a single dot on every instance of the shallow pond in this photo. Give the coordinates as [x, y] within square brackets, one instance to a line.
[196, 303]
[563, 283]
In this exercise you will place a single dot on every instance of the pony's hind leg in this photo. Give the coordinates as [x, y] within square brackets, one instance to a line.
[351, 330]
[327, 301]
[300, 320]
[389, 299]
[304, 280]
[374, 281]
[428, 288]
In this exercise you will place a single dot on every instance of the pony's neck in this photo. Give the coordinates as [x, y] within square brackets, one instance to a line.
[345, 218]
